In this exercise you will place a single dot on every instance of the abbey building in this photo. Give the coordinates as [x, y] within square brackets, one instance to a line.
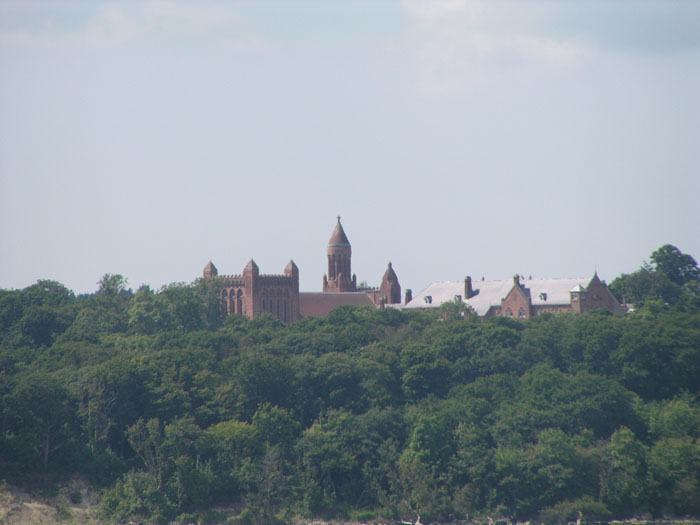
[520, 298]
[252, 293]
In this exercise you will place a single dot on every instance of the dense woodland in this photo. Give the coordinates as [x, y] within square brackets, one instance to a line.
[171, 409]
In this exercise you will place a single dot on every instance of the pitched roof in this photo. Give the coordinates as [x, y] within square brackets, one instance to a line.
[490, 293]
[319, 304]
[338, 237]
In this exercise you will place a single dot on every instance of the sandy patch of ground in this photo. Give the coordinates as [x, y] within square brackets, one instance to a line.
[71, 504]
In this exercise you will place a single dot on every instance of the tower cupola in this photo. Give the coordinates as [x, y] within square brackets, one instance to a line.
[339, 252]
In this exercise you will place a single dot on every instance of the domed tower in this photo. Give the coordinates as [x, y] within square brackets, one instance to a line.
[338, 278]
[390, 289]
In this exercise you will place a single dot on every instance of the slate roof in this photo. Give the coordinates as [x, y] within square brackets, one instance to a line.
[319, 304]
[490, 293]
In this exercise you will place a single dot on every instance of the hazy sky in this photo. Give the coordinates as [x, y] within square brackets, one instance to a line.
[454, 137]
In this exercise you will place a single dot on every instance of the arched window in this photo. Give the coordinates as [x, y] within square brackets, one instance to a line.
[509, 312]
[232, 301]
[239, 302]
[521, 313]
[224, 299]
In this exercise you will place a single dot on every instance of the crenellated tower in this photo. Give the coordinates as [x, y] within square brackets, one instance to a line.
[339, 277]
[252, 293]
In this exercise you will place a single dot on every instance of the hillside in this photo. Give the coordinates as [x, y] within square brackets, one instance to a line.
[169, 409]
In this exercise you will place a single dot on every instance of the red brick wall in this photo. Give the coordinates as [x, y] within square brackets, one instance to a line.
[517, 303]
[597, 295]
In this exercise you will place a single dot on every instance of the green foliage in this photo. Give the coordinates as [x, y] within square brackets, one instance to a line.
[175, 410]
[645, 284]
[137, 495]
[275, 426]
[585, 509]
[40, 419]
[112, 285]
[674, 472]
[675, 418]
[150, 313]
[680, 268]
[46, 293]
[455, 311]
[623, 471]
[673, 279]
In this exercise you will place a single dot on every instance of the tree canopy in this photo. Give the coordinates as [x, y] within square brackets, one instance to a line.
[172, 409]
[674, 278]
[680, 268]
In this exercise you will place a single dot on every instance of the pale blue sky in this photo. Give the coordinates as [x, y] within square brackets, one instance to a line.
[455, 138]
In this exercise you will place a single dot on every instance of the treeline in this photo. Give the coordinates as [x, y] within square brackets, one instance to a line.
[173, 409]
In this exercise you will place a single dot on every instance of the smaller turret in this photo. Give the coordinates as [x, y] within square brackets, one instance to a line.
[390, 287]
[251, 267]
[210, 270]
[291, 269]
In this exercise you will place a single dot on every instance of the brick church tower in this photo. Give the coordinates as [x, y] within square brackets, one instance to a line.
[339, 277]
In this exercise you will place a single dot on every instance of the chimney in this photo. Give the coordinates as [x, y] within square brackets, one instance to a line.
[468, 291]
[409, 296]
[516, 280]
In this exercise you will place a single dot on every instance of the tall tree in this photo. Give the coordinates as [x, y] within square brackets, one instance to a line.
[112, 284]
[679, 267]
[41, 408]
